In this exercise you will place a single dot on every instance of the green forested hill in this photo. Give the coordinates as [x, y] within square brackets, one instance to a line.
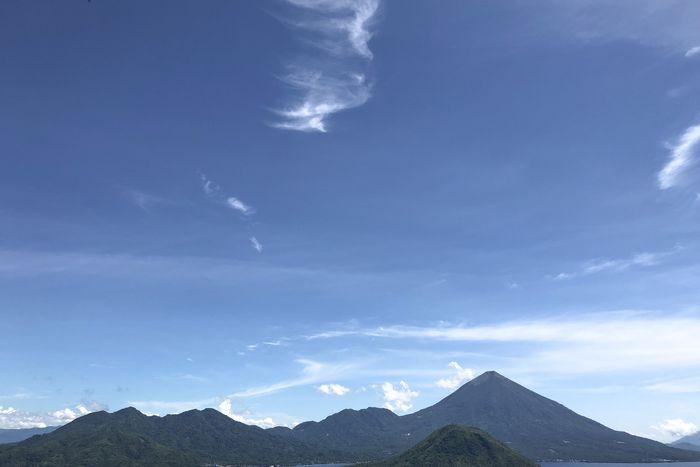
[130, 438]
[458, 446]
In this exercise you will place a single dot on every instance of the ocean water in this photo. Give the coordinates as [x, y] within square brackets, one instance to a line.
[576, 464]
[579, 464]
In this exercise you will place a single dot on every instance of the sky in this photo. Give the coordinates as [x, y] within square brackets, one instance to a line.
[285, 208]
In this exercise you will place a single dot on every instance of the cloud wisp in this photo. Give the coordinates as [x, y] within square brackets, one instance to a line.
[214, 192]
[238, 205]
[596, 343]
[692, 52]
[312, 372]
[335, 79]
[676, 386]
[144, 201]
[639, 260]
[681, 157]
[257, 246]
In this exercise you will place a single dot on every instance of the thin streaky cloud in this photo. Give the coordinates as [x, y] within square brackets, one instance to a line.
[312, 372]
[209, 187]
[681, 158]
[238, 205]
[563, 345]
[676, 386]
[143, 200]
[693, 51]
[335, 79]
[257, 246]
[638, 260]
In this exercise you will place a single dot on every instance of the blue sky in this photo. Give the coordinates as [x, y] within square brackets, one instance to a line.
[282, 209]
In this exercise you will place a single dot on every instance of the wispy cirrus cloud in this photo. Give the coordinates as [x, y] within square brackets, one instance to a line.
[238, 205]
[676, 386]
[312, 372]
[682, 156]
[639, 260]
[595, 343]
[664, 25]
[209, 187]
[213, 191]
[333, 79]
[142, 200]
[692, 52]
[257, 246]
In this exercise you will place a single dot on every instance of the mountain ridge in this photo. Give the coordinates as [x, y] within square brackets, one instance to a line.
[532, 425]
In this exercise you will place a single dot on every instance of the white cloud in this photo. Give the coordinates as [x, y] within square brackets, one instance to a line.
[398, 398]
[226, 408]
[312, 372]
[676, 428]
[682, 156]
[209, 187]
[11, 417]
[257, 246]
[659, 24]
[142, 200]
[460, 376]
[676, 386]
[343, 25]
[238, 205]
[693, 51]
[639, 260]
[595, 343]
[336, 80]
[600, 342]
[333, 389]
[171, 407]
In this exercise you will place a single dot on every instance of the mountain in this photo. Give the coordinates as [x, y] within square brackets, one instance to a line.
[458, 446]
[535, 426]
[20, 434]
[526, 422]
[686, 446]
[367, 434]
[690, 442]
[128, 437]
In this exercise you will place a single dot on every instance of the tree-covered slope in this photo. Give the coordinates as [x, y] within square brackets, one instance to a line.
[458, 446]
[128, 437]
[535, 426]
[364, 434]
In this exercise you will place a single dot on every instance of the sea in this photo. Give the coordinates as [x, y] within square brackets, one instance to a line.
[582, 464]
[575, 464]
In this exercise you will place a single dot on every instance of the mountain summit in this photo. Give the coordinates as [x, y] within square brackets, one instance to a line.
[538, 427]
[531, 424]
